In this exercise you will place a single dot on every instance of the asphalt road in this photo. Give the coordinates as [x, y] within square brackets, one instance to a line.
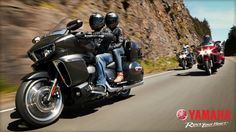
[152, 106]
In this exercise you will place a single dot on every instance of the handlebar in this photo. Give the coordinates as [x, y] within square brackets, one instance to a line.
[95, 35]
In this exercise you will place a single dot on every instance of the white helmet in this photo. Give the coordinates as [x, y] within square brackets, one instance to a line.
[185, 46]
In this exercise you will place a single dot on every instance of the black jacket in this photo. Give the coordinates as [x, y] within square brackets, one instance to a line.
[103, 44]
[119, 38]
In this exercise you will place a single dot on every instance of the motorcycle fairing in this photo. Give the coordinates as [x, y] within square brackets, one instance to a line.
[72, 69]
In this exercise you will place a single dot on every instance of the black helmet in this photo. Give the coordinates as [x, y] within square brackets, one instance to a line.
[111, 20]
[96, 21]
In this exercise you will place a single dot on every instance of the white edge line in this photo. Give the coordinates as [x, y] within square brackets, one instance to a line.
[6, 110]
[158, 74]
[146, 77]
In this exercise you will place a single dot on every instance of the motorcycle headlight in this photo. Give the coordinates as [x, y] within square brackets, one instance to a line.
[202, 52]
[208, 51]
[47, 51]
[42, 53]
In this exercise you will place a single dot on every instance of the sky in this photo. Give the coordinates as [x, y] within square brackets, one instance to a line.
[220, 14]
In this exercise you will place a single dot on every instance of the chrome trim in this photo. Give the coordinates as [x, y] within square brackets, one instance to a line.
[70, 58]
[111, 89]
[133, 85]
[117, 89]
[56, 62]
[91, 69]
[82, 85]
[102, 93]
[33, 54]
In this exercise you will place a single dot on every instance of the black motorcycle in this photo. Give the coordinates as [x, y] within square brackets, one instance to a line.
[64, 71]
[185, 59]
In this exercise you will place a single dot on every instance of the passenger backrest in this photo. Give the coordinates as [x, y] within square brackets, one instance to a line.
[132, 50]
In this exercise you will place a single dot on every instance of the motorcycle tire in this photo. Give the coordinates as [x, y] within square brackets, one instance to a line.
[213, 69]
[183, 64]
[30, 103]
[207, 67]
[124, 94]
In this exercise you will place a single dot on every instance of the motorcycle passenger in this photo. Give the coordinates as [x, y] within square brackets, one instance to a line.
[97, 22]
[112, 21]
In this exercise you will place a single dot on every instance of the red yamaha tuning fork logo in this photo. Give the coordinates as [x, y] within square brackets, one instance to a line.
[182, 114]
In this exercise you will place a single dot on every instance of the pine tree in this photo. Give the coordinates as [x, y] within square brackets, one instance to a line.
[230, 45]
[202, 27]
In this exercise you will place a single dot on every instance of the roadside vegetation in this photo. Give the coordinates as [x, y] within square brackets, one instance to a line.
[7, 87]
[230, 44]
[161, 64]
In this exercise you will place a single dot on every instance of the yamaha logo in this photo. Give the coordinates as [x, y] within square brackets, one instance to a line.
[182, 114]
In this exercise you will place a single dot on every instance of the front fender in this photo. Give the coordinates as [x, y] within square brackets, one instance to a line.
[35, 75]
[206, 58]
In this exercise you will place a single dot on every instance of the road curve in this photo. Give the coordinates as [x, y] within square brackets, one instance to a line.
[151, 107]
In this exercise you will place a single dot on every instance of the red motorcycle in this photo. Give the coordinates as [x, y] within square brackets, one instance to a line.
[210, 57]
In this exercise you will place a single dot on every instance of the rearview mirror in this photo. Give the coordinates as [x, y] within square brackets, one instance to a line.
[217, 42]
[75, 24]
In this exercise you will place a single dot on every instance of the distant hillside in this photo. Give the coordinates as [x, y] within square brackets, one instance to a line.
[159, 26]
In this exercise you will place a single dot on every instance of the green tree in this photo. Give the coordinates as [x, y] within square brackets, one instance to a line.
[206, 27]
[230, 45]
[202, 27]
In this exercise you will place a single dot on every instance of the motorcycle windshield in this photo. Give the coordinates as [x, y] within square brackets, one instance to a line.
[56, 32]
[59, 29]
[207, 42]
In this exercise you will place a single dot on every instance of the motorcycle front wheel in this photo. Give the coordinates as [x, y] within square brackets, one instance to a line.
[33, 106]
[207, 67]
[183, 63]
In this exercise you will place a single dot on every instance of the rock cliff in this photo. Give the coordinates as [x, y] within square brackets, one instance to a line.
[159, 26]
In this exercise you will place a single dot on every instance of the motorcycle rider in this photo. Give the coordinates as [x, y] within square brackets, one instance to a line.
[103, 57]
[186, 49]
[207, 40]
[112, 21]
